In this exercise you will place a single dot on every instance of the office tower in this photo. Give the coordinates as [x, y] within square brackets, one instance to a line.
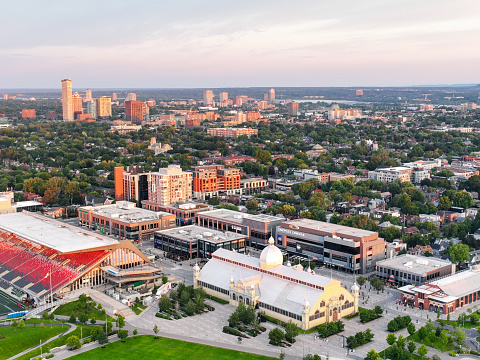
[265, 97]
[170, 185]
[67, 99]
[104, 106]
[91, 108]
[134, 111]
[88, 95]
[77, 102]
[114, 97]
[271, 95]
[223, 96]
[293, 108]
[131, 97]
[262, 105]
[208, 97]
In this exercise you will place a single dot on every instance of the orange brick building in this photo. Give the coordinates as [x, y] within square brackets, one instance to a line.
[134, 111]
[232, 132]
[215, 180]
[29, 114]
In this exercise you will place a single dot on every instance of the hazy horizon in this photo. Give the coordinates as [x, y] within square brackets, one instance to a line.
[215, 44]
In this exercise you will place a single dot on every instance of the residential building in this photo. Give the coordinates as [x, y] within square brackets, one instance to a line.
[134, 111]
[67, 100]
[223, 96]
[271, 95]
[343, 247]
[114, 96]
[208, 97]
[169, 185]
[77, 102]
[283, 292]
[391, 174]
[132, 184]
[293, 108]
[215, 180]
[252, 186]
[359, 92]
[88, 95]
[413, 269]
[131, 97]
[232, 132]
[124, 220]
[192, 241]
[104, 106]
[29, 114]
[91, 108]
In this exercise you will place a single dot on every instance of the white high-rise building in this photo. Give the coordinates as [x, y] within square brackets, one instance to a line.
[88, 95]
[169, 185]
[208, 97]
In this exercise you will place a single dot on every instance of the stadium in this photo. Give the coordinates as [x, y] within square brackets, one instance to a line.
[40, 257]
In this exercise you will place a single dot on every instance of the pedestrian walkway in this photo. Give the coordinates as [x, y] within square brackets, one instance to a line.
[72, 328]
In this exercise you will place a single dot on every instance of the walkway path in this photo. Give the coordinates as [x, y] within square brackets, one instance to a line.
[72, 328]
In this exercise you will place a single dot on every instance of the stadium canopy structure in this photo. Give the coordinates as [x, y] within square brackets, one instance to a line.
[40, 256]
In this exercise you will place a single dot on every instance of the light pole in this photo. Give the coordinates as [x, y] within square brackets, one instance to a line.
[41, 349]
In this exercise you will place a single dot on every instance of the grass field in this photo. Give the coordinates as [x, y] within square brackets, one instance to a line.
[146, 347]
[57, 342]
[22, 339]
[8, 304]
[76, 308]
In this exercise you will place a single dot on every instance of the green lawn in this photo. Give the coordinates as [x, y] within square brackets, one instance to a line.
[22, 339]
[435, 344]
[76, 308]
[468, 324]
[57, 342]
[138, 308]
[147, 347]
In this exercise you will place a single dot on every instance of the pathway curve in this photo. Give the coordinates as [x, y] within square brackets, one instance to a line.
[72, 328]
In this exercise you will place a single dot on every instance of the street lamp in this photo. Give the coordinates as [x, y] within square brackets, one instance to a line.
[41, 349]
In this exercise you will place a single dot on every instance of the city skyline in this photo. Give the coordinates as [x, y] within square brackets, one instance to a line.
[205, 45]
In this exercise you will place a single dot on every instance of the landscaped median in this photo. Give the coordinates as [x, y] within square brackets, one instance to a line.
[147, 347]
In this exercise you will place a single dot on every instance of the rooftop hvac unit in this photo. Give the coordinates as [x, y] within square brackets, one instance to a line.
[208, 234]
[422, 261]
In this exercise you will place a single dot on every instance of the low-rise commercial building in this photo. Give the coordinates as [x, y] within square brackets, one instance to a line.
[184, 212]
[124, 220]
[258, 228]
[444, 295]
[192, 241]
[343, 247]
[413, 269]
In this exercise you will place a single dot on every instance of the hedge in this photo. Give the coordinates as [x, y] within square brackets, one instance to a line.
[214, 298]
[229, 330]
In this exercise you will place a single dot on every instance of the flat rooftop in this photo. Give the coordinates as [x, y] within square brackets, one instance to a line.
[52, 233]
[237, 216]
[126, 212]
[328, 227]
[414, 264]
[192, 233]
[21, 204]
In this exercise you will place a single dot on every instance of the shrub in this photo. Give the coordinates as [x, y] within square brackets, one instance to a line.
[72, 319]
[327, 329]
[73, 342]
[87, 341]
[218, 300]
[360, 338]
[229, 330]
[49, 356]
[398, 323]
[378, 310]
[276, 336]
[367, 315]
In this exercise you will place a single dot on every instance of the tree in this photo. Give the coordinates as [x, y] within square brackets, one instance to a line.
[444, 203]
[373, 355]
[459, 253]
[291, 331]
[135, 332]
[391, 338]
[21, 324]
[120, 321]
[156, 330]
[376, 283]
[443, 339]
[361, 280]
[164, 303]
[72, 319]
[276, 336]
[73, 342]
[378, 310]
[252, 205]
[123, 334]
[422, 351]
[102, 338]
[411, 347]
[95, 331]
[411, 328]
[14, 325]
[459, 335]
[83, 318]
[190, 308]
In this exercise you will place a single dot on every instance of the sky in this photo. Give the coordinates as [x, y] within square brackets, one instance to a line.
[218, 43]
